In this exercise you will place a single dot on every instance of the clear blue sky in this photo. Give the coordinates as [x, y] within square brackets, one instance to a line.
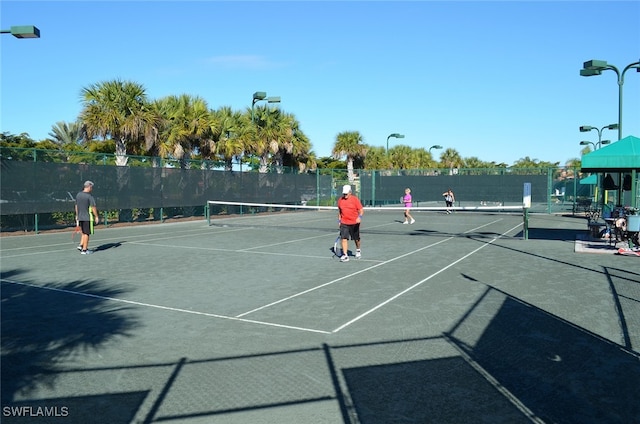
[495, 80]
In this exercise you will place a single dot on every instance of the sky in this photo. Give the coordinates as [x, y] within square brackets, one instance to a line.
[495, 80]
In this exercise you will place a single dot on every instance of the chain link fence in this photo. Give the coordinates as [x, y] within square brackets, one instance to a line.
[38, 187]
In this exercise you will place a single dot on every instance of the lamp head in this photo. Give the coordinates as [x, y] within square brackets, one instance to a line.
[259, 95]
[585, 143]
[586, 128]
[612, 127]
[595, 65]
[603, 142]
[25, 31]
[590, 72]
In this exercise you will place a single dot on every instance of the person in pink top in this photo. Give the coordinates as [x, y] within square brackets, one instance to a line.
[350, 213]
[407, 200]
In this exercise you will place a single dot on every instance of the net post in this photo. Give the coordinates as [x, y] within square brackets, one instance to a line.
[526, 204]
[207, 214]
[35, 222]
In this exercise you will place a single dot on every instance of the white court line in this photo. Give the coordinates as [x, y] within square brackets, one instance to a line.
[341, 278]
[100, 231]
[359, 317]
[220, 249]
[104, 240]
[307, 238]
[239, 318]
[362, 270]
[167, 308]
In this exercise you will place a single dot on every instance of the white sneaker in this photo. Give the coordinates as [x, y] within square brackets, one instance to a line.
[344, 258]
[79, 247]
[358, 254]
[86, 252]
[405, 222]
[413, 220]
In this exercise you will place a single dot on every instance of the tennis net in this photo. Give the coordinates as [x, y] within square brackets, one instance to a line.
[428, 219]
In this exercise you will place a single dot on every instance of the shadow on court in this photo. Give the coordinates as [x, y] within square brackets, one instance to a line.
[41, 329]
[107, 246]
[509, 362]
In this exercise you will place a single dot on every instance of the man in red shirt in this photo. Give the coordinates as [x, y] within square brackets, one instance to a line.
[350, 213]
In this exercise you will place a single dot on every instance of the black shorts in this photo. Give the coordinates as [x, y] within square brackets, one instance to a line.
[350, 231]
[85, 226]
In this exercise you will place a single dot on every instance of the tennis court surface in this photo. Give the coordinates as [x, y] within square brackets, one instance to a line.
[252, 319]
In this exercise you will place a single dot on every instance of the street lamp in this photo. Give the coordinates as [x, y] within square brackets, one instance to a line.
[23, 31]
[394, 135]
[587, 128]
[586, 143]
[595, 67]
[436, 146]
[595, 146]
[259, 96]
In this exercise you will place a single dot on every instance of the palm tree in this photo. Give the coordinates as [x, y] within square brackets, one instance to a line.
[187, 128]
[228, 135]
[349, 144]
[451, 159]
[401, 156]
[377, 158]
[119, 110]
[422, 159]
[295, 146]
[263, 139]
[67, 135]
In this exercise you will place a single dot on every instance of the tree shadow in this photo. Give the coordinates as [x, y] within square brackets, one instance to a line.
[44, 325]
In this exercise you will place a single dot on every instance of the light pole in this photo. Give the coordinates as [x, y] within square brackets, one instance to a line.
[595, 146]
[23, 31]
[394, 135]
[595, 67]
[259, 96]
[435, 146]
[587, 128]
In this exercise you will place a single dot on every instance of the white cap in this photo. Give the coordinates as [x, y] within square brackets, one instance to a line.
[346, 189]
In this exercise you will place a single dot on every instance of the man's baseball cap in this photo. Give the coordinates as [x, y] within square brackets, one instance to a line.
[346, 189]
[88, 183]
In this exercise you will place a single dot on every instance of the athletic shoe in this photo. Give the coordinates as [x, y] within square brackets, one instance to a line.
[405, 222]
[344, 258]
[86, 252]
[413, 220]
[358, 254]
[79, 247]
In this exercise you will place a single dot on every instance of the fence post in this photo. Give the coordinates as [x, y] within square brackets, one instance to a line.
[549, 188]
[373, 188]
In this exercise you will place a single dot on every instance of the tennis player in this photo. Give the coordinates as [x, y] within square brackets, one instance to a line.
[86, 214]
[350, 213]
[406, 199]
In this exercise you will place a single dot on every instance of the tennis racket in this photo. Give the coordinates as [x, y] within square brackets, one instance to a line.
[337, 250]
[75, 232]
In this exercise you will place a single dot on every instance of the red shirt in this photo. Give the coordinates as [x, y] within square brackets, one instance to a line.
[349, 208]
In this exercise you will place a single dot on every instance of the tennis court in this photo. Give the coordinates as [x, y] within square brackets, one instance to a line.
[252, 319]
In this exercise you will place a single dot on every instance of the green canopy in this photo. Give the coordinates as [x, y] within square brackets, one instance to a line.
[590, 180]
[621, 156]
